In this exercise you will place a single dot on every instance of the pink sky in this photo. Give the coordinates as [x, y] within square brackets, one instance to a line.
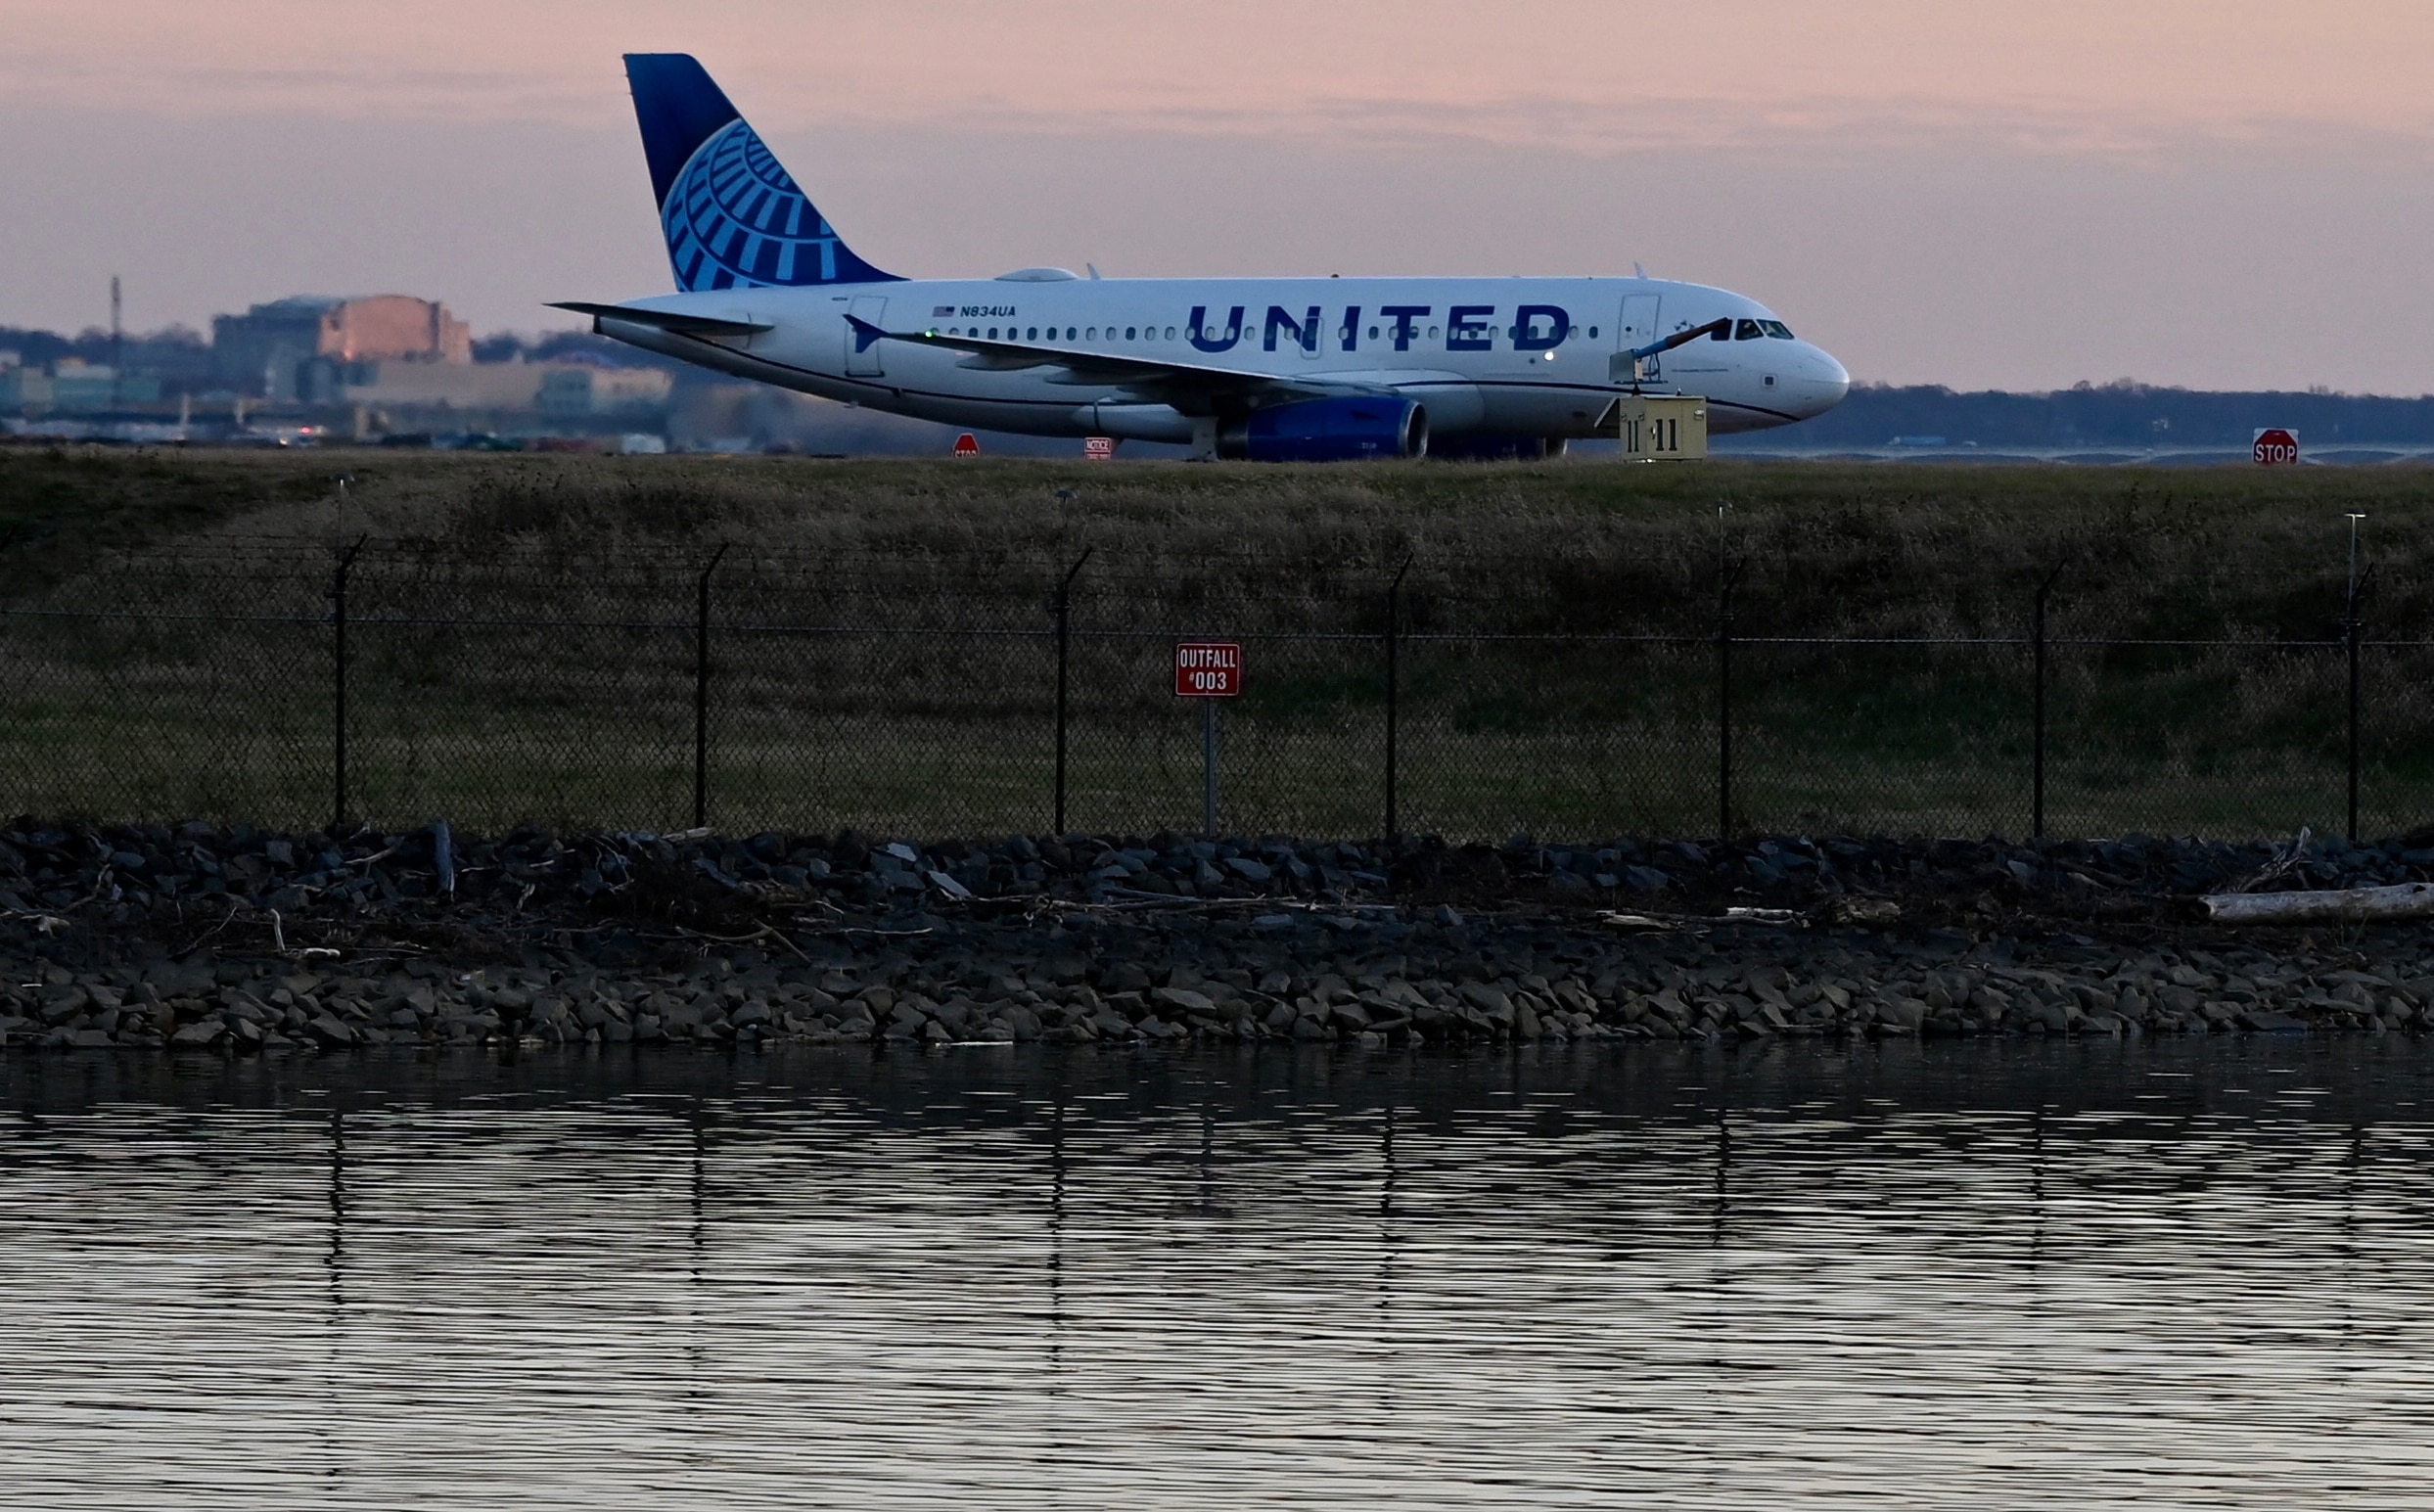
[2228, 193]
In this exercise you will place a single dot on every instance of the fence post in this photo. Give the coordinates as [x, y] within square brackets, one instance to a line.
[701, 693]
[1723, 705]
[1064, 625]
[2037, 761]
[2349, 628]
[1393, 626]
[338, 622]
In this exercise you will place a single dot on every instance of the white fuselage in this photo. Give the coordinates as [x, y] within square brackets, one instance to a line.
[1459, 347]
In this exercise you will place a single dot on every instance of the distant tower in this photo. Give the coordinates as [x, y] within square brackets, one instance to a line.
[115, 389]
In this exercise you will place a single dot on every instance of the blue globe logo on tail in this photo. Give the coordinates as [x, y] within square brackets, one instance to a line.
[734, 216]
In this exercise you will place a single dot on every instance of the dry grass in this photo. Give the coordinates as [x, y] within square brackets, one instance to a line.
[570, 700]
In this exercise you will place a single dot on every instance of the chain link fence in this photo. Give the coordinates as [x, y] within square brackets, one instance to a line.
[750, 690]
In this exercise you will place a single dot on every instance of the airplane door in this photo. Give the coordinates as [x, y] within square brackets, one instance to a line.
[1637, 328]
[863, 354]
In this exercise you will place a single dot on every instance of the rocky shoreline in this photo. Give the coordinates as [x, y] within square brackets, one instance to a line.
[219, 941]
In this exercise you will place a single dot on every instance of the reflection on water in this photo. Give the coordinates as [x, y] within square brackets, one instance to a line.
[2049, 1276]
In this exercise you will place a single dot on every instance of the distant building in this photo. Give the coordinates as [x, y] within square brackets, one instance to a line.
[579, 391]
[24, 387]
[296, 349]
[77, 388]
[478, 386]
[565, 390]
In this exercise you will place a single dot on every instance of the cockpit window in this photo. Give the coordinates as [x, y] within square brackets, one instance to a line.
[1747, 331]
[1777, 329]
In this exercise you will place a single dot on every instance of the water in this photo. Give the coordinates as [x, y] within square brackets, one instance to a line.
[1902, 1277]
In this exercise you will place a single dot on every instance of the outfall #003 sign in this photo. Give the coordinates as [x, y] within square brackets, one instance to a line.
[1207, 668]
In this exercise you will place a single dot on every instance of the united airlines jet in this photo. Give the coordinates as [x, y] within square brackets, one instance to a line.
[1281, 369]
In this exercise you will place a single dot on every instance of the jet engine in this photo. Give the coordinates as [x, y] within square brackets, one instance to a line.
[1353, 428]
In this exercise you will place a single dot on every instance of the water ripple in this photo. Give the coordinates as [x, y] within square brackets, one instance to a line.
[1915, 1278]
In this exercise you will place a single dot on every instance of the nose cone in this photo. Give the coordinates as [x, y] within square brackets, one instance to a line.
[1820, 381]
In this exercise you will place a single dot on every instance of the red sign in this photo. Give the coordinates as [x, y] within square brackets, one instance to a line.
[2276, 447]
[1207, 668]
[1098, 448]
[967, 446]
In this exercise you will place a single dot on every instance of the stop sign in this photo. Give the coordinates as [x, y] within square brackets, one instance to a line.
[2275, 447]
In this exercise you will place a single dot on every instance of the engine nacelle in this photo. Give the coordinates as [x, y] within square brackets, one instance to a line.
[1353, 428]
[1494, 446]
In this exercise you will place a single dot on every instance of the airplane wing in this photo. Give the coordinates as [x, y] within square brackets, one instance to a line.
[1150, 377]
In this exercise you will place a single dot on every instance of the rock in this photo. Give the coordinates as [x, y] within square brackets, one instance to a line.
[2268, 1021]
[1183, 1001]
[199, 1034]
[328, 1030]
[1248, 869]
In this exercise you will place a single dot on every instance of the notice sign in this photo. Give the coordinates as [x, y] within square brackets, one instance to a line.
[2276, 447]
[1098, 448]
[1207, 668]
[967, 446]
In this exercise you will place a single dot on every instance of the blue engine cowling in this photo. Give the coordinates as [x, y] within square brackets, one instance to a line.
[1346, 430]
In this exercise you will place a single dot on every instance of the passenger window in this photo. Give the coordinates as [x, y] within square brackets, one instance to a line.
[1069, 332]
[1373, 333]
[1592, 332]
[1129, 333]
[992, 333]
[1431, 333]
[1747, 331]
[1777, 329]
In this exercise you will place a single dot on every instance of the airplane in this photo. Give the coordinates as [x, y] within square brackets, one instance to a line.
[1264, 369]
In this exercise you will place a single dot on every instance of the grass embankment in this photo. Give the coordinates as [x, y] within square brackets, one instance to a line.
[1560, 675]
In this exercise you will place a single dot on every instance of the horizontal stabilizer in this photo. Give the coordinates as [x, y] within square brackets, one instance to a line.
[666, 320]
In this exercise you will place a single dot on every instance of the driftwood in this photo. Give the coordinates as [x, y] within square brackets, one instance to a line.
[2348, 905]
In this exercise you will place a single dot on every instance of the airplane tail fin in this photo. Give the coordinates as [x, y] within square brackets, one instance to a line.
[734, 219]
